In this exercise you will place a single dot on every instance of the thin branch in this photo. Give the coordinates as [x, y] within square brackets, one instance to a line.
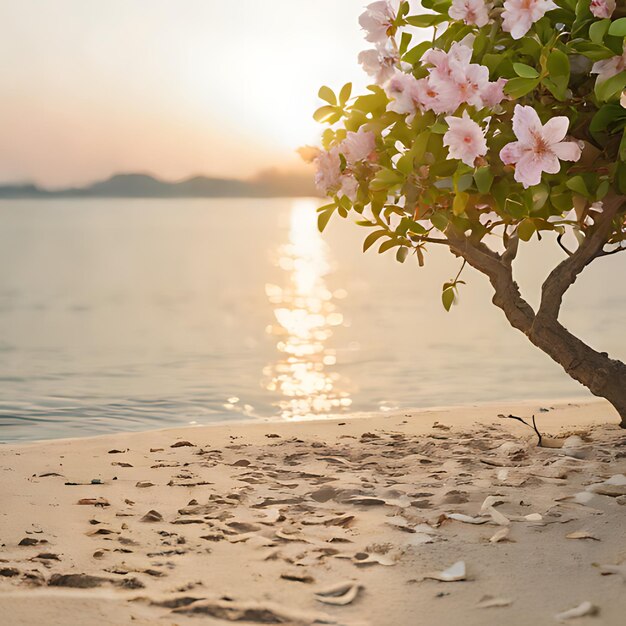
[559, 240]
[565, 273]
[520, 419]
[507, 295]
[608, 252]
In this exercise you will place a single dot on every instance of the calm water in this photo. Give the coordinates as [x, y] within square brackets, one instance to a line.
[138, 314]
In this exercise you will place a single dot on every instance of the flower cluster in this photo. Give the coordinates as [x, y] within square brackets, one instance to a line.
[509, 112]
[356, 147]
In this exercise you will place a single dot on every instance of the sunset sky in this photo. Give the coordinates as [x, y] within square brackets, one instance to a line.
[173, 88]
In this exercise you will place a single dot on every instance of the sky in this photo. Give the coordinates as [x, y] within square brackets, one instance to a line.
[170, 87]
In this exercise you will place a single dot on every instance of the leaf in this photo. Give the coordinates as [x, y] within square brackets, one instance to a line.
[325, 113]
[598, 30]
[448, 296]
[518, 87]
[439, 221]
[618, 27]
[401, 254]
[415, 54]
[483, 179]
[460, 202]
[344, 94]
[387, 245]
[371, 239]
[605, 90]
[558, 66]
[327, 94]
[622, 147]
[526, 229]
[405, 41]
[525, 71]
[424, 21]
[323, 218]
[577, 184]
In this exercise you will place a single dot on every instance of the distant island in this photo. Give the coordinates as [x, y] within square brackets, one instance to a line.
[270, 183]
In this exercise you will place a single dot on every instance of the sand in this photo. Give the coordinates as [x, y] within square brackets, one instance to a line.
[254, 523]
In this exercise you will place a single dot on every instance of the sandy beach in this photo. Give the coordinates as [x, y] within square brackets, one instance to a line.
[438, 517]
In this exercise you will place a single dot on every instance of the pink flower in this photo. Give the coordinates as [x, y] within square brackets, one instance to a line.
[358, 146]
[349, 186]
[429, 98]
[493, 93]
[465, 139]
[519, 15]
[328, 175]
[609, 67]
[458, 57]
[377, 20]
[539, 147]
[472, 12]
[602, 8]
[403, 91]
[379, 63]
[456, 81]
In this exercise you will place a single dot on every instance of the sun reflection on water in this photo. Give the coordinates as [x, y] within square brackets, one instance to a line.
[305, 315]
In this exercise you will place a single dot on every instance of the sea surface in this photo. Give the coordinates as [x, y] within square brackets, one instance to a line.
[137, 314]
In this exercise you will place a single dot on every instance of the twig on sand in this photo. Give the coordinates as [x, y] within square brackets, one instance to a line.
[521, 419]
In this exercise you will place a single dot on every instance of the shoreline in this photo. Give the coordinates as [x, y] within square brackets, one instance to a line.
[251, 521]
[467, 411]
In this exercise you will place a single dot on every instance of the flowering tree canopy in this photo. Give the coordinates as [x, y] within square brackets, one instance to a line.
[487, 124]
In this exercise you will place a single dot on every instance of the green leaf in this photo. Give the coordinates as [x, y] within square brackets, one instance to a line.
[405, 41]
[401, 254]
[603, 187]
[483, 179]
[385, 178]
[618, 27]
[415, 54]
[598, 30]
[439, 221]
[325, 113]
[323, 218]
[525, 71]
[622, 147]
[460, 202]
[327, 94]
[526, 229]
[424, 21]
[372, 238]
[593, 51]
[344, 94]
[559, 68]
[518, 87]
[609, 88]
[447, 296]
[439, 128]
[387, 245]
[577, 184]
[405, 164]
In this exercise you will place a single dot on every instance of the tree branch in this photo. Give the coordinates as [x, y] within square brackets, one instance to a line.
[609, 252]
[565, 273]
[498, 269]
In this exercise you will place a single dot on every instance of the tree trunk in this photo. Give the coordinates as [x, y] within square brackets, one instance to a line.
[602, 375]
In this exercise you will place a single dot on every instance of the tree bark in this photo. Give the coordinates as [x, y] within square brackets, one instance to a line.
[602, 375]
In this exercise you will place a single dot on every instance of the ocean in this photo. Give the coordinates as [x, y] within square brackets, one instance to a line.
[135, 314]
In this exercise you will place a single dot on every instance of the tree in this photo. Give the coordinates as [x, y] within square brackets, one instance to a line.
[506, 124]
